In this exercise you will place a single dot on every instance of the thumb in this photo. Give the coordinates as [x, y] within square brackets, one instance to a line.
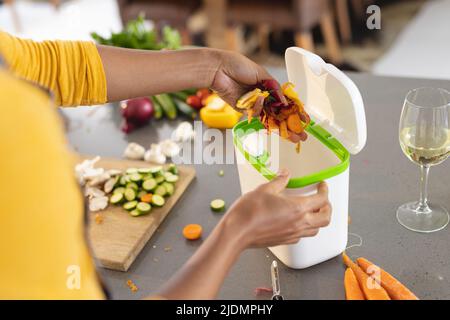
[277, 184]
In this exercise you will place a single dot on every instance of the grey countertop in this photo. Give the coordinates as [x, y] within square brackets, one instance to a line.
[381, 178]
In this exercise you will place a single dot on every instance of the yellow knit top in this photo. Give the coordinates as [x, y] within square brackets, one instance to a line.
[43, 252]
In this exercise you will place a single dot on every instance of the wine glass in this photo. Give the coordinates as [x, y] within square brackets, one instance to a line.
[425, 140]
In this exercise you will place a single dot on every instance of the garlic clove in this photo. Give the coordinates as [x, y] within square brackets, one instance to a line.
[86, 164]
[155, 157]
[114, 172]
[134, 151]
[93, 192]
[170, 148]
[98, 180]
[92, 173]
[184, 132]
[97, 204]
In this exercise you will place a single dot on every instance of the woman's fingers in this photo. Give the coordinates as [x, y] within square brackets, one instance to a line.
[313, 202]
[291, 241]
[320, 219]
[277, 184]
[303, 234]
[311, 222]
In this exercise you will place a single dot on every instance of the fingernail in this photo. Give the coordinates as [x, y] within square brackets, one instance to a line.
[283, 172]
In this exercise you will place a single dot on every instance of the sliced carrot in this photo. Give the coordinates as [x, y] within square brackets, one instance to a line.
[98, 218]
[263, 118]
[192, 231]
[352, 289]
[395, 289]
[250, 115]
[283, 129]
[271, 124]
[287, 111]
[294, 123]
[366, 282]
[147, 198]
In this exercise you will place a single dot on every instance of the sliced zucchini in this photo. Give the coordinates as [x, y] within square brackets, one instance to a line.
[135, 213]
[158, 200]
[159, 179]
[143, 207]
[123, 180]
[147, 176]
[131, 170]
[119, 190]
[217, 205]
[170, 189]
[116, 198]
[167, 174]
[149, 184]
[155, 169]
[144, 170]
[173, 169]
[132, 185]
[130, 205]
[130, 194]
[171, 177]
[161, 190]
[136, 177]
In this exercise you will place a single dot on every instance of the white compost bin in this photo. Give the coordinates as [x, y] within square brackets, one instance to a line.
[338, 128]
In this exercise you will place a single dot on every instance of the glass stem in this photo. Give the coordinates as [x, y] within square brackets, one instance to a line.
[423, 202]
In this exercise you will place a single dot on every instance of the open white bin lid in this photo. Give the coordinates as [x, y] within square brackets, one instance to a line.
[330, 97]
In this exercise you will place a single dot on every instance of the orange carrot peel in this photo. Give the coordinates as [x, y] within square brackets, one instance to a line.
[371, 289]
[395, 289]
[352, 289]
[278, 107]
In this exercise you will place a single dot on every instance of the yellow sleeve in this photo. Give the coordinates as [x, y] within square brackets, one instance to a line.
[43, 251]
[72, 70]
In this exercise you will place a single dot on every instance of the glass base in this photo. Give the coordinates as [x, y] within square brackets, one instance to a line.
[414, 218]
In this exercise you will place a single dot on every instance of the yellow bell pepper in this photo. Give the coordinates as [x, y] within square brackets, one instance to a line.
[218, 114]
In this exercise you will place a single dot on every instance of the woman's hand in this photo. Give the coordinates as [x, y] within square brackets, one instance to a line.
[260, 218]
[235, 75]
[265, 217]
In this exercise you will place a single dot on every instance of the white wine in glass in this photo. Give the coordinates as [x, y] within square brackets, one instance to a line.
[425, 139]
[425, 151]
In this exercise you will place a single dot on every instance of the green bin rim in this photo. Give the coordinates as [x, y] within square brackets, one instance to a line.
[240, 130]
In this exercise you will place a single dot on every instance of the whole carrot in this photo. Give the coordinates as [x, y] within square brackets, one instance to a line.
[375, 293]
[352, 289]
[395, 289]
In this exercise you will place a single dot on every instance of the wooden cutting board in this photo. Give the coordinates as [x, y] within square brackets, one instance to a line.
[118, 240]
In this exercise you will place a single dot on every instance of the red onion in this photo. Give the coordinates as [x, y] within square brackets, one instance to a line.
[136, 112]
[127, 127]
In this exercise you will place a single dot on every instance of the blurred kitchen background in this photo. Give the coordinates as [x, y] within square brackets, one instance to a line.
[413, 41]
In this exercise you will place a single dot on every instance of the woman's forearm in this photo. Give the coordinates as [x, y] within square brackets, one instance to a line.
[202, 276]
[134, 73]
